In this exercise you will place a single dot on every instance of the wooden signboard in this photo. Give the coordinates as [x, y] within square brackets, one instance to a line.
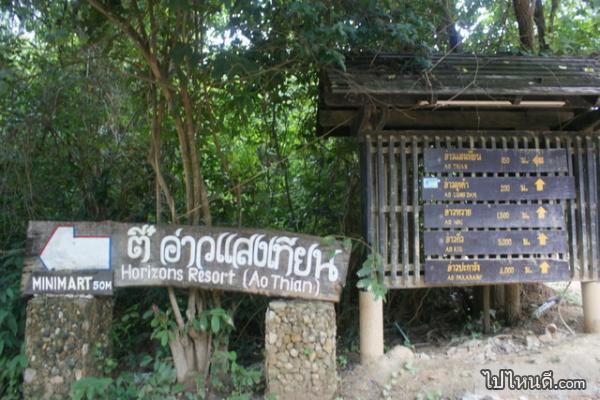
[494, 242]
[490, 160]
[498, 188]
[494, 216]
[477, 271]
[463, 222]
[252, 261]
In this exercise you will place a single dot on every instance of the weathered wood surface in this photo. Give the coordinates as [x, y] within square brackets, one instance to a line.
[494, 216]
[498, 188]
[252, 261]
[467, 75]
[494, 242]
[475, 271]
[339, 122]
[492, 160]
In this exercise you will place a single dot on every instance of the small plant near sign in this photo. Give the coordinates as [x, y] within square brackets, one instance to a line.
[371, 276]
[244, 380]
[431, 395]
[371, 273]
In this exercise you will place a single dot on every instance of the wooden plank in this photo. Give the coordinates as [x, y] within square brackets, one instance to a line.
[498, 188]
[393, 174]
[450, 272]
[489, 160]
[404, 201]
[494, 216]
[581, 209]
[246, 260]
[381, 200]
[443, 243]
[593, 206]
[444, 119]
[573, 248]
[416, 211]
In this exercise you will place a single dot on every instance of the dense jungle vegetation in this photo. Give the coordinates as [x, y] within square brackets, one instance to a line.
[204, 112]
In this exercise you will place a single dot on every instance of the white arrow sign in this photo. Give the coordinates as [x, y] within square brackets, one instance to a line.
[66, 251]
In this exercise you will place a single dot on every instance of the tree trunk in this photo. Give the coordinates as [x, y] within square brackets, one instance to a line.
[191, 349]
[524, 14]
[540, 24]
[454, 39]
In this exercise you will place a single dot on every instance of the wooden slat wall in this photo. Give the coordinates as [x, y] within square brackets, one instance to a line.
[392, 175]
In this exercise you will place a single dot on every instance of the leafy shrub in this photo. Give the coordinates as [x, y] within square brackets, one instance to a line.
[12, 317]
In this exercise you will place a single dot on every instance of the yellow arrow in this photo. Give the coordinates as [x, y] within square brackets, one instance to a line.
[537, 160]
[544, 267]
[539, 185]
[542, 239]
[541, 213]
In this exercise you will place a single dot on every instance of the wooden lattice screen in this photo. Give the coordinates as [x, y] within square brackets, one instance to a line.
[392, 163]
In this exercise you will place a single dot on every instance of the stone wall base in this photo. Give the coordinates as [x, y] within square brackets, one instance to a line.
[64, 336]
[300, 350]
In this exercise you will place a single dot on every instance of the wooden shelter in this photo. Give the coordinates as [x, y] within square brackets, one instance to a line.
[401, 107]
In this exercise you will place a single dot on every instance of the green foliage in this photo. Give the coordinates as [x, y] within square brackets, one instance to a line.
[244, 380]
[435, 394]
[371, 276]
[12, 318]
[156, 385]
[163, 326]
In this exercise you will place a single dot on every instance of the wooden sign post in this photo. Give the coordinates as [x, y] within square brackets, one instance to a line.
[88, 259]
[96, 257]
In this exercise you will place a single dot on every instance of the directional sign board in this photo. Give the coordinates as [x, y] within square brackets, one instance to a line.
[513, 241]
[494, 216]
[498, 188]
[489, 160]
[475, 271]
[92, 258]
[494, 242]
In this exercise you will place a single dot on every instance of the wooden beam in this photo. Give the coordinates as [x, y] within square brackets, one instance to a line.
[460, 119]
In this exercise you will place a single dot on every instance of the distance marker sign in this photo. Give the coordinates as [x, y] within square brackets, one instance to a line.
[494, 216]
[92, 258]
[491, 160]
[448, 243]
[476, 271]
[478, 229]
[498, 188]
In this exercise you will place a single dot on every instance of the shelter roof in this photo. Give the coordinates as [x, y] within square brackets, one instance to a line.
[459, 91]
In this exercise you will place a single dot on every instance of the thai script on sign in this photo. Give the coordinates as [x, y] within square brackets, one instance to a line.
[225, 248]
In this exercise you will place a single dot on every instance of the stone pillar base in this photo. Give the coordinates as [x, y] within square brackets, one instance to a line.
[300, 350]
[63, 335]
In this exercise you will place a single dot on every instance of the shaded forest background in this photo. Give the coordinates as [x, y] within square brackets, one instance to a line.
[204, 112]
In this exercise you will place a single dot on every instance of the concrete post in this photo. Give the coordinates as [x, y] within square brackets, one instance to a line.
[590, 294]
[371, 327]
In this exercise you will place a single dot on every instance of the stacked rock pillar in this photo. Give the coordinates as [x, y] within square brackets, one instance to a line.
[66, 337]
[300, 350]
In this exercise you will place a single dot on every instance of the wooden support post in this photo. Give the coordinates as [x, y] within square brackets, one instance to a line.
[498, 297]
[371, 327]
[590, 294]
[486, 310]
[512, 302]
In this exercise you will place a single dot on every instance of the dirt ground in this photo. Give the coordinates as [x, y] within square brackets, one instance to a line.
[451, 369]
